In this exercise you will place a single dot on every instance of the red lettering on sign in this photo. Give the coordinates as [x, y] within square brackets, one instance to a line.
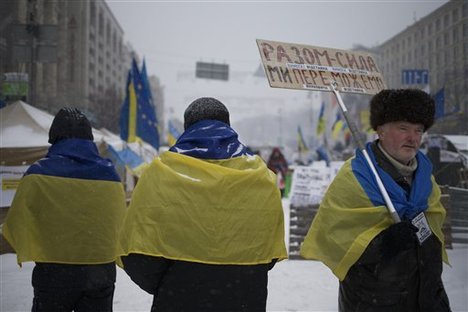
[285, 74]
[308, 55]
[372, 66]
[280, 53]
[299, 60]
[267, 49]
[324, 53]
[338, 56]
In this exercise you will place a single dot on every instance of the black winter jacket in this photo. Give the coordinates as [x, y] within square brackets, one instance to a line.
[189, 286]
[408, 281]
[395, 273]
[73, 276]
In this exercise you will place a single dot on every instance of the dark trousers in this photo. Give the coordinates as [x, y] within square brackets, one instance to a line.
[67, 300]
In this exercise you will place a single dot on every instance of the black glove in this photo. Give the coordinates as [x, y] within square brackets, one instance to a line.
[398, 237]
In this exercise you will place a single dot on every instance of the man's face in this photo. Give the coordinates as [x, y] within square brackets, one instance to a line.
[401, 139]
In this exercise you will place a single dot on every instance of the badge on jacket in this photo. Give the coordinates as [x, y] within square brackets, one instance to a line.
[424, 231]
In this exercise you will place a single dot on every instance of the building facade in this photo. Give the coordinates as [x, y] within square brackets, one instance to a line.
[437, 43]
[73, 52]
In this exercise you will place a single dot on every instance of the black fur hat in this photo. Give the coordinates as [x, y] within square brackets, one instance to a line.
[70, 123]
[411, 105]
[205, 108]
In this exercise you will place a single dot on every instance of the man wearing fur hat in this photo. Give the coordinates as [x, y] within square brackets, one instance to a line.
[205, 224]
[65, 217]
[382, 265]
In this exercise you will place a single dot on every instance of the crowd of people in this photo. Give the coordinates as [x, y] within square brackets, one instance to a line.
[205, 222]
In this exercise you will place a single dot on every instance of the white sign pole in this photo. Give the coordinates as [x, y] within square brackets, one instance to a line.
[361, 146]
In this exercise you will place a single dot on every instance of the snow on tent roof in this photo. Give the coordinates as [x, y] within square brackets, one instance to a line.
[23, 125]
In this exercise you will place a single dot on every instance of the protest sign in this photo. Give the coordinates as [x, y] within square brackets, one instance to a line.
[295, 66]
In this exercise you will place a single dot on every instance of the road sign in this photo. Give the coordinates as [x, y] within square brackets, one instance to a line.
[295, 66]
[212, 71]
[415, 76]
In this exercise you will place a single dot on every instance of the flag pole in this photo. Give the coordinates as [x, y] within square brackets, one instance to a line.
[355, 133]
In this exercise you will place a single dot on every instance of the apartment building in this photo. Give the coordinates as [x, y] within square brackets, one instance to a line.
[437, 43]
[73, 52]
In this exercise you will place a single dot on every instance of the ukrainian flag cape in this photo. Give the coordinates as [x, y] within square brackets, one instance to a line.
[353, 212]
[68, 208]
[199, 204]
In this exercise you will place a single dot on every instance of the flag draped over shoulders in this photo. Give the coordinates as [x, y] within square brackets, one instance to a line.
[353, 212]
[68, 207]
[215, 204]
[210, 139]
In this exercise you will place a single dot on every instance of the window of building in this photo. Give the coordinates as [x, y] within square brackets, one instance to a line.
[465, 29]
[447, 38]
[446, 20]
[429, 29]
[465, 9]
[437, 26]
[101, 24]
[92, 14]
[108, 33]
[455, 15]
[455, 34]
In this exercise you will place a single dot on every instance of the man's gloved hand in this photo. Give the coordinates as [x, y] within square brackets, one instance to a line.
[397, 238]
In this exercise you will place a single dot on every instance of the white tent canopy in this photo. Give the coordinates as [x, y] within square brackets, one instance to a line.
[26, 126]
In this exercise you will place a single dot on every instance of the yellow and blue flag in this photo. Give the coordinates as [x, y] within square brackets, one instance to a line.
[172, 134]
[337, 126]
[301, 145]
[321, 120]
[216, 204]
[138, 116]
[353, 212]
[68, 207]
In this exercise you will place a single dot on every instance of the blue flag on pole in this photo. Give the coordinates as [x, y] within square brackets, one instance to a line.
[439, 99]
[138, 117]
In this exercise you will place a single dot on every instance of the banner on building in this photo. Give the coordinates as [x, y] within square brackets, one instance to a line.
[296, 66]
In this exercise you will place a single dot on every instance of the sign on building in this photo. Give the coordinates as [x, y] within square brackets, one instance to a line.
[296, 66]
[212, 71]
[15, 84]
[415, 76]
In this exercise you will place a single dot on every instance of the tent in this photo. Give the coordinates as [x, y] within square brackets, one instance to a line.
[24, 134]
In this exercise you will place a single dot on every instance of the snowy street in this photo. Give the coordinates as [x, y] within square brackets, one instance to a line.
[294, 285]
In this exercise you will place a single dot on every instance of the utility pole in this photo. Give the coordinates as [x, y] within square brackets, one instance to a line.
[32, 29]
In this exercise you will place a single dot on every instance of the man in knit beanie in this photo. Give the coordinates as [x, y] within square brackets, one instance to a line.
[382, 265]
[205, 224]
[65, 217]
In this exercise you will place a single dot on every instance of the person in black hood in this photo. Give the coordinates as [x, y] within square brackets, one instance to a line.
[65, 217]
[382, 265]
[205, 224]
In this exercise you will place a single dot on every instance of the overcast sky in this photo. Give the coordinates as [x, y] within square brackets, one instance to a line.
[174, 35]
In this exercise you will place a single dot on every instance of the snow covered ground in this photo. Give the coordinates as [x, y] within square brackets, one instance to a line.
[294, 285]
